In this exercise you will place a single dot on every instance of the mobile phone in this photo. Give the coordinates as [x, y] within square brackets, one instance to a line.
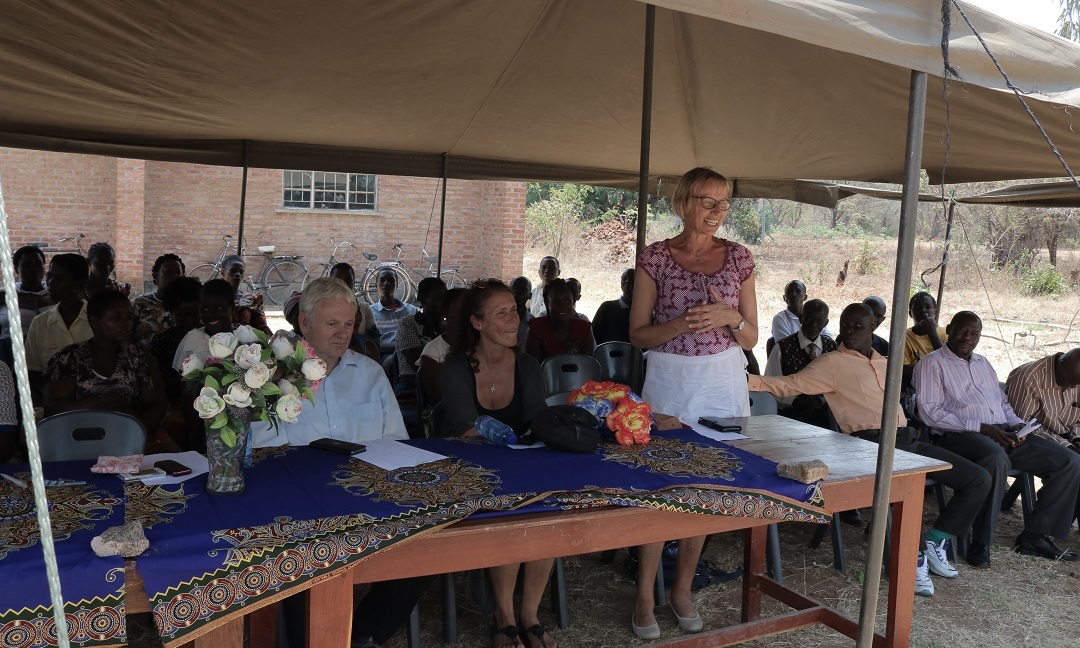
[719, 424]
[338, 446]
[142, 474]
[173, 468]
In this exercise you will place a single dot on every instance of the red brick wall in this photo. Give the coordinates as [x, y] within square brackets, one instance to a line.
[148, 208]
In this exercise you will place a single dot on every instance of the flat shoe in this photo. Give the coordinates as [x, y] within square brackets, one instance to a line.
[689, 624]
[645, 632]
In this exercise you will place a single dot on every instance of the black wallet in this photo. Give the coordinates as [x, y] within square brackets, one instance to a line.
[338, 446]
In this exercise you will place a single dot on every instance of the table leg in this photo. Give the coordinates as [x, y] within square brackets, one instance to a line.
[754, 541]
[906, 532]
[228, 635]
[330, 610]
[262, 627]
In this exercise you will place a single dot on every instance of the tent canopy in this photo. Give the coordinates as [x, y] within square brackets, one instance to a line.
[531, 89]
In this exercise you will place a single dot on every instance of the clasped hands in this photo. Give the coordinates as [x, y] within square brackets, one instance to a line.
[1004, 437]
[704, 317]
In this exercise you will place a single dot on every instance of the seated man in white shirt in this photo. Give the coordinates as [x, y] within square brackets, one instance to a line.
[786, 322]
[353, 403]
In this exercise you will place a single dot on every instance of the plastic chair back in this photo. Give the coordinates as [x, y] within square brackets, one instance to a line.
[762, 403]
[568, 371]
[558, 398]
[88, 434]
[622, 363]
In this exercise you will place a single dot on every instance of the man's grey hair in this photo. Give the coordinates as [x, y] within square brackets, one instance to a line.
[320, 290]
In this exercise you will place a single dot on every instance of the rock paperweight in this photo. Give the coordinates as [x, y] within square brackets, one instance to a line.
[806, 472]
[127, 541]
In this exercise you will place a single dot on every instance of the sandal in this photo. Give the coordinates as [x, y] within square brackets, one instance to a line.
[509, 631]
[538, 633]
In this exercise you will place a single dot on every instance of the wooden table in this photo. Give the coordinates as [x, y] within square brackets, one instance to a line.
[473, 544]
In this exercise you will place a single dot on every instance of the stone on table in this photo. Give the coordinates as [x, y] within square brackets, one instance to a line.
[806, 472]
[127, 540]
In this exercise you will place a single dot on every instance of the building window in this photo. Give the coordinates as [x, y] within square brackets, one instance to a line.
[326, 190]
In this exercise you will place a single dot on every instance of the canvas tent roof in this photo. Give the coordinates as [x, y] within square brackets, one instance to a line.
[536, 89]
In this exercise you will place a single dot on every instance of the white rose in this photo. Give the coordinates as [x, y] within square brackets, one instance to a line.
[238, 395]
[289, 408]
[314, 369]
[208, 404]
[248, 355]
[245, 334]
[287, 388]
[281, 347]
[222, 345]
[192, 363]
[257, 375]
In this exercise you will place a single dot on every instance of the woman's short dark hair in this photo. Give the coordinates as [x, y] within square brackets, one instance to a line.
[460, 333]
[75, 265]
[99, 248]
[220, 289]
[27, 250]
[182, 290]
[165, 258]
[104, 301]
[552, 286]
[427, 287]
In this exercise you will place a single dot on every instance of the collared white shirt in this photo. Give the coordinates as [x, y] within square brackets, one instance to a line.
[786, 323]
[536, 304]
[958, 394]
[386, 321]
[353, 403]
[48, 334]
[196, 343]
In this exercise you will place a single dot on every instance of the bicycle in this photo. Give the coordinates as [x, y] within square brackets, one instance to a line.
[278, 278]
[407, 276]
[320, 270]
[78, 249]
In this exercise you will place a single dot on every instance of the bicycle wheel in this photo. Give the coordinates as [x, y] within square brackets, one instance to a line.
[316, 272]
[281, 279]
[203, 272]
[369, 288]
[454, 280]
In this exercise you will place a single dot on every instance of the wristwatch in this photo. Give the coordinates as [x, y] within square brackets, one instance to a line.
[742, 323]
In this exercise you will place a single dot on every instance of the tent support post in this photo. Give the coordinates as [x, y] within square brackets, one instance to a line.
[646, 128]
[905, 251]
[945, 258]
[243, 200]
[442, 213]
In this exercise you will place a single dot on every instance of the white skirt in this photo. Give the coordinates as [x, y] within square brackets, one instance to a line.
[690, 387]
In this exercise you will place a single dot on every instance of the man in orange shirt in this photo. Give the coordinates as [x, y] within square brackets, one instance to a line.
[852, 380]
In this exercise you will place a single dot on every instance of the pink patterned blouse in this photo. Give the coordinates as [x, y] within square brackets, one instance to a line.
[677, 289]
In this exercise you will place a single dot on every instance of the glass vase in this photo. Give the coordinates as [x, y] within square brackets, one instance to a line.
[227, 464]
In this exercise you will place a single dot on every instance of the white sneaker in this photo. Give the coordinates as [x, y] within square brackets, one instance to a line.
[923, 585]
[937, 556]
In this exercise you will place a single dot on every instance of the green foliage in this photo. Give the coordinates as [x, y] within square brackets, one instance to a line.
[819, 230]
[1046, 281]
[553, 220]
[1069, 20]
[866, 261]
[745, 220]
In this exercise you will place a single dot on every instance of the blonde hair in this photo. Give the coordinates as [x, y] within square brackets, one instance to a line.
[691, 179]
[320, 290]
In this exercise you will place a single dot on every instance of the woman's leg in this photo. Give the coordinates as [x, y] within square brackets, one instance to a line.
[645, 601]
[537, 575]
[503, 580]
[689, 553]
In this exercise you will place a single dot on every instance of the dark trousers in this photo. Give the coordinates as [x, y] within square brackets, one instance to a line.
[969, 482]
[1057, 467]
[383, 611]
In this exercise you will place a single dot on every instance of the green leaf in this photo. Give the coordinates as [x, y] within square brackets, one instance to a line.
[306, 391]
[212, 383]
[270, 389]
[263, 337]
[220, 421]
[228, 380]
[228, 437]
[266, 354]
[264, 416]
[213, 371]
[229, 365]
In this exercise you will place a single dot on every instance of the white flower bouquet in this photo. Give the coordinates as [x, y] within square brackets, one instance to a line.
[250, 377]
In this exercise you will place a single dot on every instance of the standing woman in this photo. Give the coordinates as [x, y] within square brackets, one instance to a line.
[695, 309]
[486, 374]
[102, 259]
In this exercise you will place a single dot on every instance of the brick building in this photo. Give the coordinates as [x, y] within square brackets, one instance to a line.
[145, 209]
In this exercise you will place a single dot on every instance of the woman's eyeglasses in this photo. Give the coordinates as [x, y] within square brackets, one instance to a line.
[712, 203]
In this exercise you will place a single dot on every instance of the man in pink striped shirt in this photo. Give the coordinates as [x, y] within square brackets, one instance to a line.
[960, 398]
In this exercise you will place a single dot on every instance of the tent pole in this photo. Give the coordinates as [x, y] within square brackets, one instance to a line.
[442, 213]
[945, 258]
[646, 128]
[905, 251]
[243, 200]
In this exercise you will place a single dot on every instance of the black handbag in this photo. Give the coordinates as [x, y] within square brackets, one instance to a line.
[566, 428]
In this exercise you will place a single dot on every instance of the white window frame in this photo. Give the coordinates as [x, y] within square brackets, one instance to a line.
[313, 183]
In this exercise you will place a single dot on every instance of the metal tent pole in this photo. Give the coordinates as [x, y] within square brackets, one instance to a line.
[905, 250]
[243, 200]
[442, 213]
[646, 128]
[945, 258]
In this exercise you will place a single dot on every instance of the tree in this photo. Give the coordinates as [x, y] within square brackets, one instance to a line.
[1069, 20]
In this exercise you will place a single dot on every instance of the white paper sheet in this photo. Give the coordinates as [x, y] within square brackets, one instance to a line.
[715, 435]
[1031, 426]
[390, 454]
[198, 464]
